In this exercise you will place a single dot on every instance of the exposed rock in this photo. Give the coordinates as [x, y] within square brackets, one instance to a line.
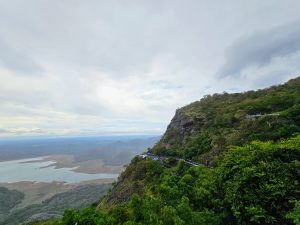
[181, 127]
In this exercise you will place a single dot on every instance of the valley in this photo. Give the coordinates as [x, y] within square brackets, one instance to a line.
[51, 175]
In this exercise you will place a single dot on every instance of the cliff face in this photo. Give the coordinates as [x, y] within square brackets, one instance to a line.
[202, 131]
[231, 119]
[180, 128]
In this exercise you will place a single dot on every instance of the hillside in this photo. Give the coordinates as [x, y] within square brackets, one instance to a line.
[77, 198]
[9, 199]
[249, 173]
[204, 129]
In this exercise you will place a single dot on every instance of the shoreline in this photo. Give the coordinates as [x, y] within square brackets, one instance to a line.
[92, 166]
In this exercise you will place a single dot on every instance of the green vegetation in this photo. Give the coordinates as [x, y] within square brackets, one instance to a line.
[250, 149]
[204, 129]
[257, 183]
[9, 199]
[295, 213]
[77, 198]
[260, 180]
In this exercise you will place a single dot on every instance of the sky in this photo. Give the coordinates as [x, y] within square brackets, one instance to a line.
[94, 67]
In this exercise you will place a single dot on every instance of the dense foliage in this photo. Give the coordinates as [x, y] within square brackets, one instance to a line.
[249, 142]
[257, 183]
[9, 199]
[295, 213]
[204, 129]
[260, 180]
[77, 198]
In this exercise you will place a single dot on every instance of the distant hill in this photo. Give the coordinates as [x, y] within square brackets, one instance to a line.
[112, 150]
[77, 198]
[9, 199]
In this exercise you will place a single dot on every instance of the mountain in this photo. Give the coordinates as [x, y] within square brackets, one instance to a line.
[203, 130]
[226, 159]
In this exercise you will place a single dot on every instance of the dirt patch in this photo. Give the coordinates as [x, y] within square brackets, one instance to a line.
[89, 166]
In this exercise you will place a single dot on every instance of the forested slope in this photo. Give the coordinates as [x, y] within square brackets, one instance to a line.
[203, 130]
[248, 145]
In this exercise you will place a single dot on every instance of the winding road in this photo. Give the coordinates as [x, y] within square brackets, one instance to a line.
[156, 157]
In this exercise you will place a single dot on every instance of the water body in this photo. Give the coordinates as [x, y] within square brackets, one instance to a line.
[34, 170]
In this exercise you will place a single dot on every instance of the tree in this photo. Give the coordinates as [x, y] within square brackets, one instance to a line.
[260, 179]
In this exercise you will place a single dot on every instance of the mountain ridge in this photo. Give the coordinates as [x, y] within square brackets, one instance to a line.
[247, 150]
[239, 113]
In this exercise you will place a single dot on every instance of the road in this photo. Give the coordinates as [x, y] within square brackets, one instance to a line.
[156, 157]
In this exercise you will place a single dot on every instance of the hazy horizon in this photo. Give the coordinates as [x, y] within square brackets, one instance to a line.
[102, 67]
[103, 136]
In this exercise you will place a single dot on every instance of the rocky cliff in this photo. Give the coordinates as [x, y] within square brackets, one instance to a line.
[203, 130]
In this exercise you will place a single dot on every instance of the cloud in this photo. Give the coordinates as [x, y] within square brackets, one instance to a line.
[16, 58]
[97, 66]
[260, 48]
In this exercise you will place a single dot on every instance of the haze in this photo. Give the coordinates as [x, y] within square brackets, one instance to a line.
[123, 67]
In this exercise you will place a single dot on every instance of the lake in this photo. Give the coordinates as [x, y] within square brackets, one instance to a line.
[35, 170]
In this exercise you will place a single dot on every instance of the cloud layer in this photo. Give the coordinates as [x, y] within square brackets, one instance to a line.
[102, 67]
[261, 48]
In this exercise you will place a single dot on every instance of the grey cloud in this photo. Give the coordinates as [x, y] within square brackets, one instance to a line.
[103, 61]
[16, 58]
[275, 77]
[260, 48]
[164, 84]
[115, 37]
[80, 33]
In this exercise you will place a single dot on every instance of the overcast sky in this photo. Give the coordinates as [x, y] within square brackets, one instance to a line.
[71, 67]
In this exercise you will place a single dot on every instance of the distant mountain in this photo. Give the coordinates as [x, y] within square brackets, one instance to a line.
[112, 150]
